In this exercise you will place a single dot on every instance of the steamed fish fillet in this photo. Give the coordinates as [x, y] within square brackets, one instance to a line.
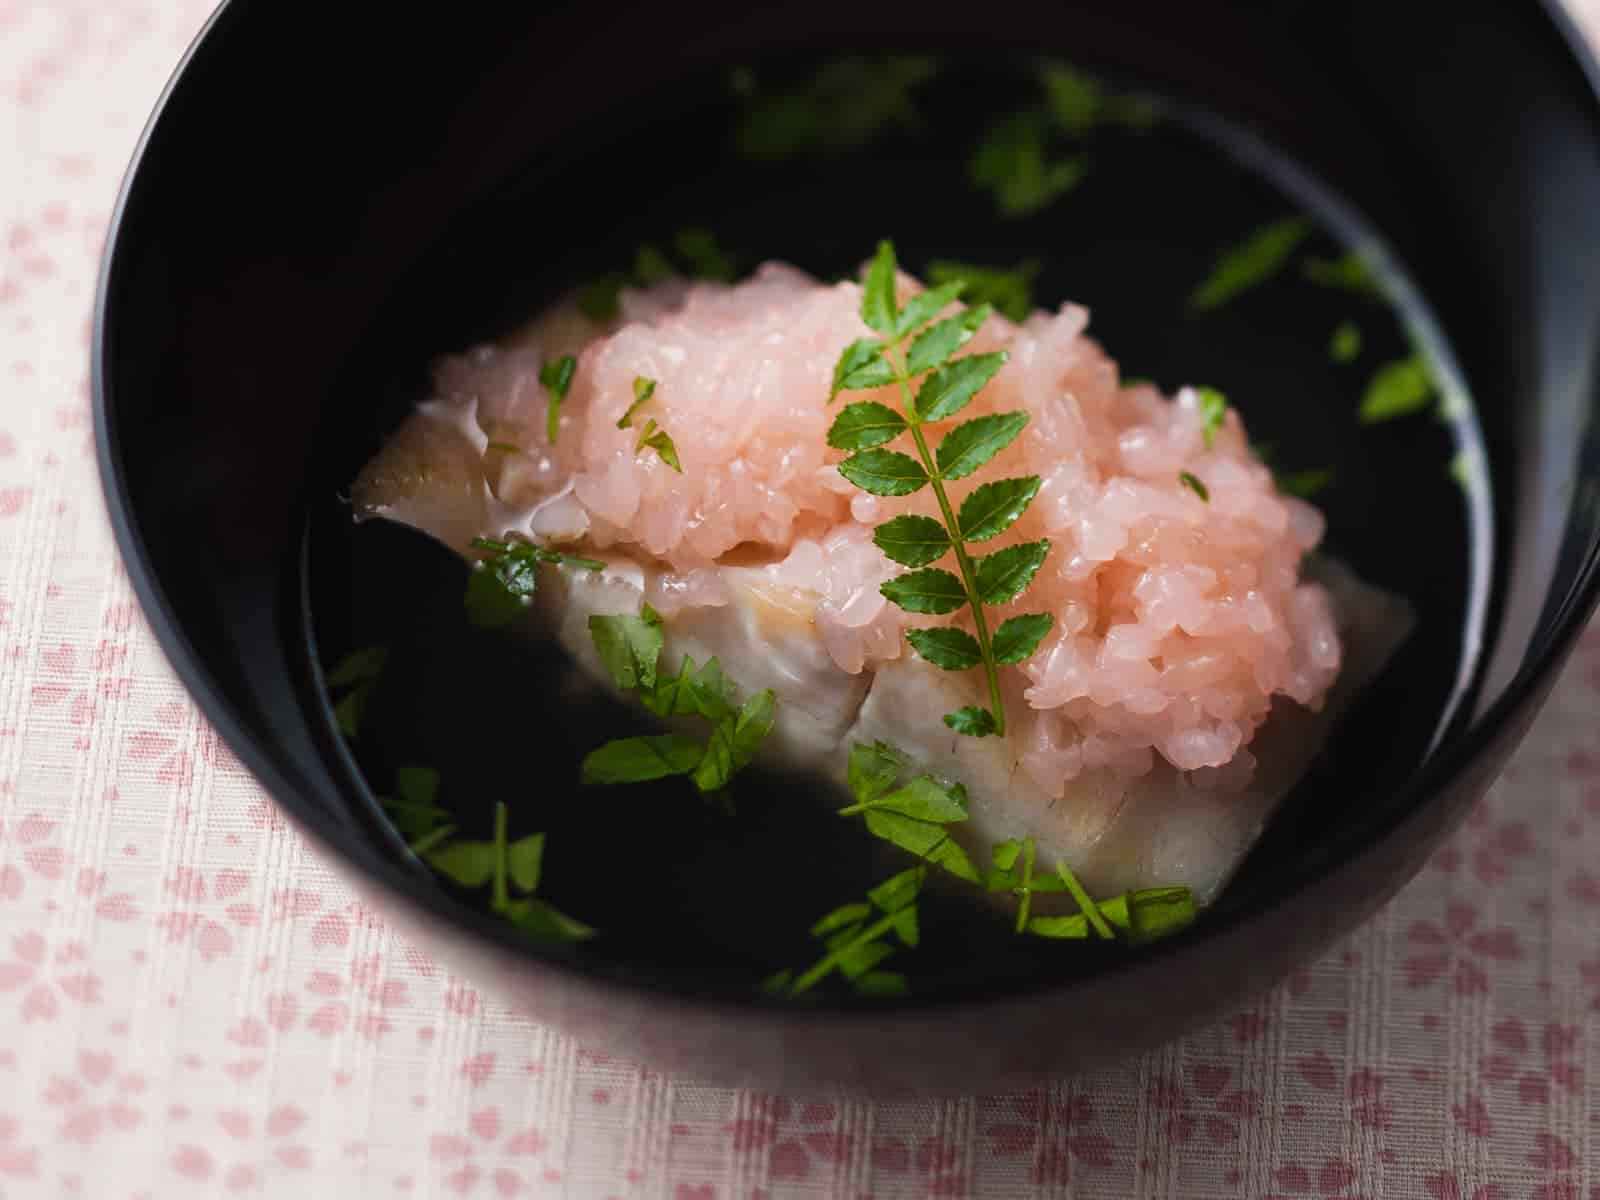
[1195, 666]
[1163, 828]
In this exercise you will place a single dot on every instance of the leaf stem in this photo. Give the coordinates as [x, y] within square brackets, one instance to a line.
[1025, 889]
[825, 966]
[502, 898]
[1091, 910]
[969, 579]
[431, 841]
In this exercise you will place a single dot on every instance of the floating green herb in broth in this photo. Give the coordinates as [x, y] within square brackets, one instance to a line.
[1262, 255]
[844, 105]
[1008, 290]
[356, 675]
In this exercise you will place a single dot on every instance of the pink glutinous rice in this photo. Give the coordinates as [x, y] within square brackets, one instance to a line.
[1177, 620]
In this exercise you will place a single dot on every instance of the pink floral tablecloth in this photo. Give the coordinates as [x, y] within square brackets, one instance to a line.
[191, 1005]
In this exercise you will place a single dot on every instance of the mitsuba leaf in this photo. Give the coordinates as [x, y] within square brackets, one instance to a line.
[629, 647]
[637, 759]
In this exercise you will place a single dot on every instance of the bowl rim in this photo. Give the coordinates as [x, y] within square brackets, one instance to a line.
[1444, 765]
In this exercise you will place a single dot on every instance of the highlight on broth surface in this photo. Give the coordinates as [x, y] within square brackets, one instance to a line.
[1059, 636]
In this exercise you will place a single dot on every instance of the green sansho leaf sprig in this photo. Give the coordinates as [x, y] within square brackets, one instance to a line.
[503, 582]
[630, 648]
[912, 344]
[858, 937]
[356, 675]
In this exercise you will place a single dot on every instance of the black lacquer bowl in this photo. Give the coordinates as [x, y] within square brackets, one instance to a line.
[327, 197]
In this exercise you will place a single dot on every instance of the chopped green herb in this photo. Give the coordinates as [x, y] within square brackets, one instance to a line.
[643, 389]
[1193, 483]
[601, 299]
[359, 666]
[693, 691]
[357, 671]
[653, 437]
[1250, 263]
[502, 585]
[705, 258]
[504, 866]
[1345, 344]
[470, 864]
[639, 759]
[915, 343]
[630, 649]
[413, 809]
[421, 846]
[874, 769]
[1085, 905]
[734, 742]
[1304, 484]
[1213, 412]
[848, 103]
[856, 944]
[1348, 273]
[555, 376]
[1013, 164]
[1079, 103]
[1141, 917]
[1397, 389]
[650, 266]
[1010, 291]
[912, 815]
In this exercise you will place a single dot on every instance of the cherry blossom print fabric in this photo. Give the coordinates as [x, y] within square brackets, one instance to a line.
[191, 1005]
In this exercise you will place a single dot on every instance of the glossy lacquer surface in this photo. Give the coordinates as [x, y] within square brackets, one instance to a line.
[261, 253]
